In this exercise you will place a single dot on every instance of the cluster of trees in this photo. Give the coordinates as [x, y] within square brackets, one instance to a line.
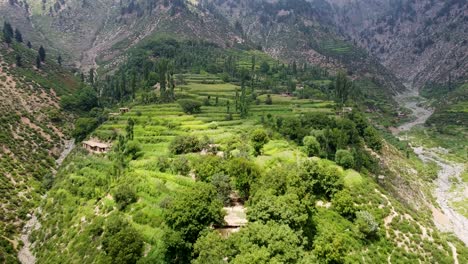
[10, 35]
[336, 138]
[159, 61]
[282, 219]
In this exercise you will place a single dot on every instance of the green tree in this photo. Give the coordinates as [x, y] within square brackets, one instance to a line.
[268, 100]
[130, 129]
[321, 178]
[343, 203]
[245, 173]
[83, 126]
[38, 62]
[163, 65]
[207, 166]
[344, 158]
[121, 242]
[185, 144]
[266, 243]
[259, 138]
[18, 36]
[193, 211]
[42, 54]
[342, 88]
[311, 145]
[372, 138]
[332, 247]
[19, 60]
[222, 183]
[91, 76]
[7, 32]
[285, 209]
[211, 249]
[264, 67]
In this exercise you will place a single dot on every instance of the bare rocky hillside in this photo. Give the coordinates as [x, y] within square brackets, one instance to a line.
[421, 42]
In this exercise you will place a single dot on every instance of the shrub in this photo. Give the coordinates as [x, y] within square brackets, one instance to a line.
[268, 100]
[133, 150]
[190, 106]
[180, 165]
[344, 158]
[366, 224]
[185, 144]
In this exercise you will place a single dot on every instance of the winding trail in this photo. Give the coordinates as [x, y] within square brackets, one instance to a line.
[447, 219]
[25, 255]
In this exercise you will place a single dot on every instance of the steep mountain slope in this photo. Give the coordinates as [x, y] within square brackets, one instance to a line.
[422, 42]
[98, 32]
[302, 31]
[32, 133]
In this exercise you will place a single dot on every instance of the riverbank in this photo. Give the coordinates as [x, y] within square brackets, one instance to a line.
[446, 217]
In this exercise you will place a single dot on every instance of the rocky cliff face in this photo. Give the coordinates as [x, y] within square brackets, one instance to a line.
[422, 42]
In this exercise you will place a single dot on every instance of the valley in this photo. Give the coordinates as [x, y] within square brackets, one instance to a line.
[449, 186]
[233, 131]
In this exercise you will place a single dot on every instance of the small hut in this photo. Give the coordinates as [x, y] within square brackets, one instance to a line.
[96, 146]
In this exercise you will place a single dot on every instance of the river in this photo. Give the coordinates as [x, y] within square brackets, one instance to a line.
[446, 218]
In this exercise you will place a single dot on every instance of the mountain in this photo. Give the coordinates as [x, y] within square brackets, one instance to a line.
[98, 32]
[33, 131]
[421, 42]
[275, 109]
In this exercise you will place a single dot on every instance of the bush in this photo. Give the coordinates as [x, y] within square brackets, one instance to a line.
[344, 158]
[180, 165]
[366, 224]
[133, 150]
[311, 145]
[185, 144]
[125, 196]
[190, 106]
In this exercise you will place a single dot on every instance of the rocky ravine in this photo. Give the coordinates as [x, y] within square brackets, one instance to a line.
[25, 255]
[447, 219]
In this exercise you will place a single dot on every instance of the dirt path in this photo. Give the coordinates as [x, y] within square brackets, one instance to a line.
[25, 255]
[447, 219]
